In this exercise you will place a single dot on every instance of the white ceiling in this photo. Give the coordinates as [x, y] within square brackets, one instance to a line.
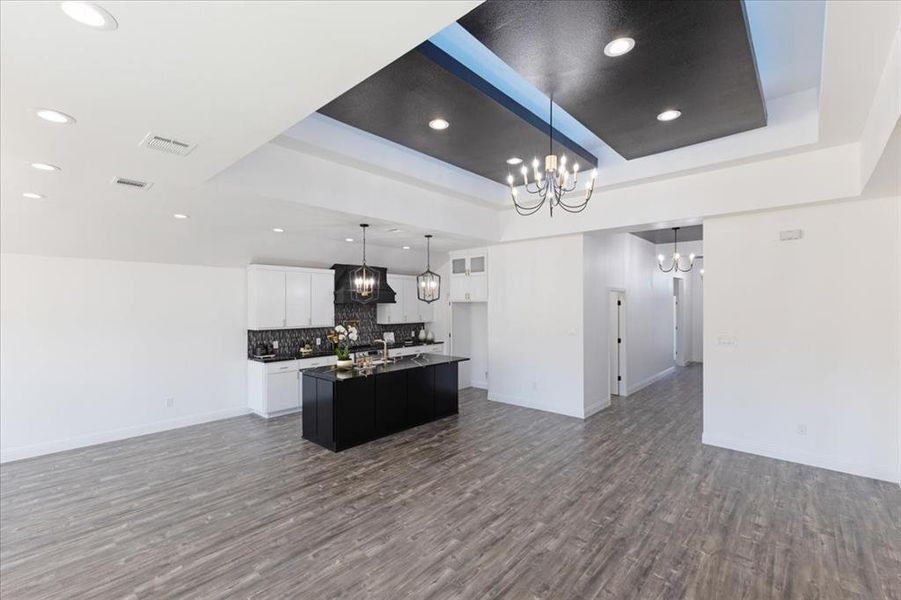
[226, 76]
[235, 79]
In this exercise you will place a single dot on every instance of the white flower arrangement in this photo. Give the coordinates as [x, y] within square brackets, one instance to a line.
[342, 336]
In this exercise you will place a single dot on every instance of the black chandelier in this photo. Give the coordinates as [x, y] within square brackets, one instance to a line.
[428, 283]
[364, 280]
[553, 184]
[675, 264]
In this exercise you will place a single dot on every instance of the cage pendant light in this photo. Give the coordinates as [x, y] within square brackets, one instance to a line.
[428, 283]
[675, 263]
[364, 280]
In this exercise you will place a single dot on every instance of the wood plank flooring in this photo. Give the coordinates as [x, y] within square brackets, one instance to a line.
[499, 502]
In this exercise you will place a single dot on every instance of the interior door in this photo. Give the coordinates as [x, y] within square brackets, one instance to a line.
[322, 299]
[297, 300]
[616, 329]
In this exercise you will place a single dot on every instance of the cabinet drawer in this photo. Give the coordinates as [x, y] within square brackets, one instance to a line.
[282, 366]
[311, 363]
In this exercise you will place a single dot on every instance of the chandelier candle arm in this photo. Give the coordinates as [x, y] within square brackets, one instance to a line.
[675, 263]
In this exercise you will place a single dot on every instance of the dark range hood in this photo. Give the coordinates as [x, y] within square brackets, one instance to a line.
[343, 285]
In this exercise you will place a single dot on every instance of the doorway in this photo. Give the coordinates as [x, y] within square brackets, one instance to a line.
[616, 325]
[469, 337]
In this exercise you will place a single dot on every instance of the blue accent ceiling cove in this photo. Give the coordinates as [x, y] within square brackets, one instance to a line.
[472, 54]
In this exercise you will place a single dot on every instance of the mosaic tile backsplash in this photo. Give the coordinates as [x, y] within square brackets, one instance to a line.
[290, 341]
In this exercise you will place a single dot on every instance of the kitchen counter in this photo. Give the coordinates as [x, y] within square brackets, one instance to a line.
[332, 373]
[342, 409]
[320, 353]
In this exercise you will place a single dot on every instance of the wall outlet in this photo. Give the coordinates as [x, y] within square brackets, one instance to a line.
[801, 429]
[170, 402]
[318, 341]
[275, 344]
[726, 341]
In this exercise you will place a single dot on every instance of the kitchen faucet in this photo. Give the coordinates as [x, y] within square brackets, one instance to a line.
[384, 349]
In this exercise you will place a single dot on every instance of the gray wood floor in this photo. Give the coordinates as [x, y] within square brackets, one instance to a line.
[497, 502]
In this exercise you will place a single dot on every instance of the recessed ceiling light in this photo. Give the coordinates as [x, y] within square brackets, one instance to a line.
[278, 230]
[348, 239]
[44, 167]
[88, 13]
[514, 160]
[619, 46]
[669, 115]
[439, 124]
[53, 116]
[180, 216]
[32, 195]
[406, 247]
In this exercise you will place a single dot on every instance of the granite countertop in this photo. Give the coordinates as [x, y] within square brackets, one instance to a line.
[401, 364]
[321, 353]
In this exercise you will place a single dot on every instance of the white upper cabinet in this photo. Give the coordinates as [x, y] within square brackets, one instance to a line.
[298, 303]
[289, 297]
[322, 299]
[407, 307]
[265, 299]
[469, 276]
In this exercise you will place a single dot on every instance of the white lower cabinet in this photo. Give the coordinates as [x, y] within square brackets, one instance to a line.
[276, 388]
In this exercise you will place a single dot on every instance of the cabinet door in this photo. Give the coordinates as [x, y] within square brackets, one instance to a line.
[297, 300]
[396, 310]
[268, 291]
[420, 395]
[355, 411]
[282, 391]
[411, 301]
[391, 402]
[478, 277]
[446, 390]
[322, 299]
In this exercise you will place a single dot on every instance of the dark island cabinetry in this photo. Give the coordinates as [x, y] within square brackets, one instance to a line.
[344, 409]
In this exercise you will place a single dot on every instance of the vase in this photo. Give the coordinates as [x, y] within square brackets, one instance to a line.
[422, 335]
[430, 337]
[345, 364]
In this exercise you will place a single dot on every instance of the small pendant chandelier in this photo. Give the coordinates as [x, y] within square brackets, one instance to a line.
[428, 283]
[364, 280]
[553, 184]
[675, 265]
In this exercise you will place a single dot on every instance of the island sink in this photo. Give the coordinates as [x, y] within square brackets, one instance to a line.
[342, 409]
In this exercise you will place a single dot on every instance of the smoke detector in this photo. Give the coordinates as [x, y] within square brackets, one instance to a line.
[167, 144]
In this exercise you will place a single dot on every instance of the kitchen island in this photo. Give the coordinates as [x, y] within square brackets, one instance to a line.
[347, 408]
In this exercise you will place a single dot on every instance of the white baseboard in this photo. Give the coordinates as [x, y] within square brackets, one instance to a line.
[112, 435]
[482, 385]
[881, 472]
[646, 382]
[527, 403]
[593, 407]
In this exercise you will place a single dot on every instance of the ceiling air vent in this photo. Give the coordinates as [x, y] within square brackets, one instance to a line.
[132, 183]
[167, 145]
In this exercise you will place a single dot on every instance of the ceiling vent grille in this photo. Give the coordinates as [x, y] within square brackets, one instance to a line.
[167, 145]
[132, 183]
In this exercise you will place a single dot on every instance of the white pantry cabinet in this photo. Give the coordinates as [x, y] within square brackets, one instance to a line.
[407, 308]
[289, 297]
[469, 275]
[276, 388]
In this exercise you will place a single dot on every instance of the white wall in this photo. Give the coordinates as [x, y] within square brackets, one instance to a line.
[805, 333]
[535, 348]
[470, 339]
[91, 350]
[649, 316]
